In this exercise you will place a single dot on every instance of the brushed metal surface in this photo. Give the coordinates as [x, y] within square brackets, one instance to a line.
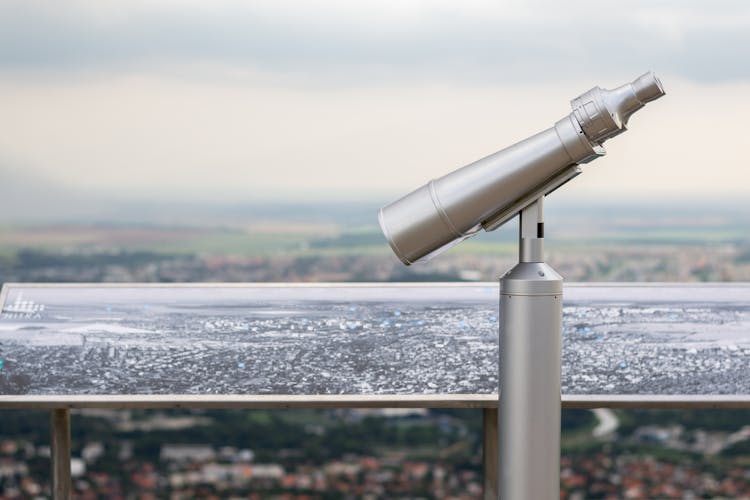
[530, 357]
[500, 218]
[604, 114]
[451, 208]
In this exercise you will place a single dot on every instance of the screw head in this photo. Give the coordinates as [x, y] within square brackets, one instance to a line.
[541, 273]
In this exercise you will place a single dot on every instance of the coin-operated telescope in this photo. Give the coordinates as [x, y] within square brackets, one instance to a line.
[485, 195]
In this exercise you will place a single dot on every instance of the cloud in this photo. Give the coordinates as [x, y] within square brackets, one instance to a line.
[231, 100]
[491, 41]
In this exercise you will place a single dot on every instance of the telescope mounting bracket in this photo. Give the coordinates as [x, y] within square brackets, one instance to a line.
[498, 219]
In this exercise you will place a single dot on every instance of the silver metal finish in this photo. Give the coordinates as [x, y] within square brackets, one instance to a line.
[531, 229]
[485, 194]
[604, 114]
[530, 395]
[530, 331]
[490, 464]
[456, 206]
[555, 182]
[452, 208]
[60, 434]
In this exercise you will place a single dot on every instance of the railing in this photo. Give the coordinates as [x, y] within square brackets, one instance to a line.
[421, 346]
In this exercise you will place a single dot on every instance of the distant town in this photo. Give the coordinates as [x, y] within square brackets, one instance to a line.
[614, 247]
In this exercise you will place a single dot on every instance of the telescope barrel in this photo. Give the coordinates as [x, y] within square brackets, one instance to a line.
[447, 210]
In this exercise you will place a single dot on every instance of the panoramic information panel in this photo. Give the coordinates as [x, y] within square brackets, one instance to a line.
[252, 340]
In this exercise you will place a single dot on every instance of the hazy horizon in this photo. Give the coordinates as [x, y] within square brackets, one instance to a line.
[58, 204]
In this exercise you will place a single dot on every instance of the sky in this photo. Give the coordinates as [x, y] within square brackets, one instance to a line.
[234, 102]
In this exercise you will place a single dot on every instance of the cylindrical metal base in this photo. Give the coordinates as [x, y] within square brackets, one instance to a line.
[529, 416]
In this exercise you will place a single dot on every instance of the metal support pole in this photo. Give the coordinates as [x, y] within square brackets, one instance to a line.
[60, 434]
[530, 329]
[489, 453]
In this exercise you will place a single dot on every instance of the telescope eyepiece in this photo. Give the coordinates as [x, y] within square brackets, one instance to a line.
[603, 114]
[648, 87]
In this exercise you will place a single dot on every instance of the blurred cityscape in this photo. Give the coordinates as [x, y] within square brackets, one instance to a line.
[338, 454]
[305, 454]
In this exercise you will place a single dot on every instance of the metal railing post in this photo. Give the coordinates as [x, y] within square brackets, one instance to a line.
[490, 453]
[60, 456]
